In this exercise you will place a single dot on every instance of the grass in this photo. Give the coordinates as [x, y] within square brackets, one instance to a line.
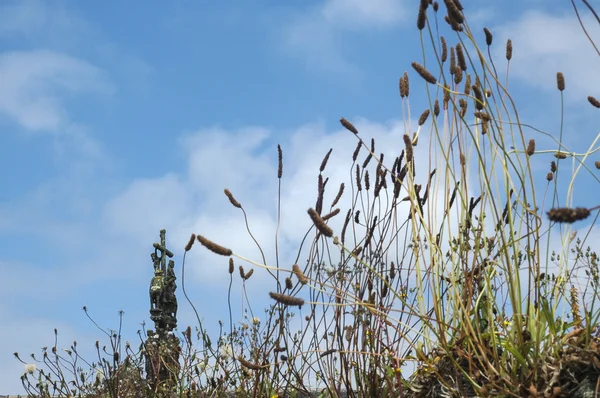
[453, 272]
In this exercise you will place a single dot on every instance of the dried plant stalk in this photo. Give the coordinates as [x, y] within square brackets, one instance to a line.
[299, 274]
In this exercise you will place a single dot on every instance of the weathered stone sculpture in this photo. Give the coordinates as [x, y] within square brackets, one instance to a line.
[162, 347]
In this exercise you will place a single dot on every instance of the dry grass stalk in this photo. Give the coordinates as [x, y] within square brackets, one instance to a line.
[319, 223]
[232, 200]
[349, 126]
[424, 73]
[213, 247]
[287, 300]
[190, 243]
[299, 274]
[568, 215]
[251, 366]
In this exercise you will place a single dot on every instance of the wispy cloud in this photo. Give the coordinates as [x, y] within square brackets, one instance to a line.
[545, 44]
[316, 35]
[36, 84]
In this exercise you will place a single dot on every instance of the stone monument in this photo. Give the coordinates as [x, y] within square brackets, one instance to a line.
[162, 347]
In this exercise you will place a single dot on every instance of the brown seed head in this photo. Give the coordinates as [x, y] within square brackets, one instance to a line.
[550, 176]
[444, 49]
[242, 273]
[406, 84]
[435, 6]
[190, 243]
[560, 155]
[468, 84]
[568, 215]
[454, 13]
[339, 195]
[424, 73]
[408, 154]
[348, 126]
[288, 283]
[460, 56]
[332, 214]
[560, 81]
[251, 366]
[488, 36]
[452, 61]
[249, 274]
[597, 164]
[232, 200]
[553, 166]
[287, 300]
[422, 15]
[509, 49]
[325, 159]
[594, 101]
[213, 247]
[483, 116]
[319, 223]
[280, 161]
[531, 147]
[299, 274]
[436, 107]
[458, 75]
[423, 117]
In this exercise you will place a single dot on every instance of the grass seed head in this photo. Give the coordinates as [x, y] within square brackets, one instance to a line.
[452, 61]
[409, 148]
[332, 214]
[319, 223]
[213, 247]
[435, 6]
[289, 284]
[249, 274]
[242, 273]
[597, 164]
[422, 15]
[444, 56]
[287, 300]
[553, 166]
[531, 147]
[436, 107]
[550, 176]
[423, 117]
[509, 49]
[424, 73]
[568, 215]
[299, 274]
[232, 200]
[190, 243]
[594, 101]
[488, 36]
[349, 126]
[280, 161]
[325, 159]
[460, 57]
[560, 81]
[560, 155]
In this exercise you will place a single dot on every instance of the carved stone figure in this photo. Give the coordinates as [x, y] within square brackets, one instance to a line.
[156, 289]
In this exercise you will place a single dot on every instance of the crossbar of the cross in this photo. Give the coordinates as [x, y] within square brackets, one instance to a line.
[162, 247]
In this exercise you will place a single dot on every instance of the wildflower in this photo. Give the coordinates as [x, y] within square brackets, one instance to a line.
[226, 351]
[30, 368]
[256, 320]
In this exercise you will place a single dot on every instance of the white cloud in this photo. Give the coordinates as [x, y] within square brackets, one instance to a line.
[35, 85]
[315, 36]
[545, 44]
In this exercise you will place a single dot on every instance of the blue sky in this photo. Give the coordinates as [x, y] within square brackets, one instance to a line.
[121, 118]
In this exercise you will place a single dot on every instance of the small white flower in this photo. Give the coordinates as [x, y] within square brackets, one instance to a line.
[226, 351]
[99, 374]
[30, 368]
[202, 365]
[256, 320]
